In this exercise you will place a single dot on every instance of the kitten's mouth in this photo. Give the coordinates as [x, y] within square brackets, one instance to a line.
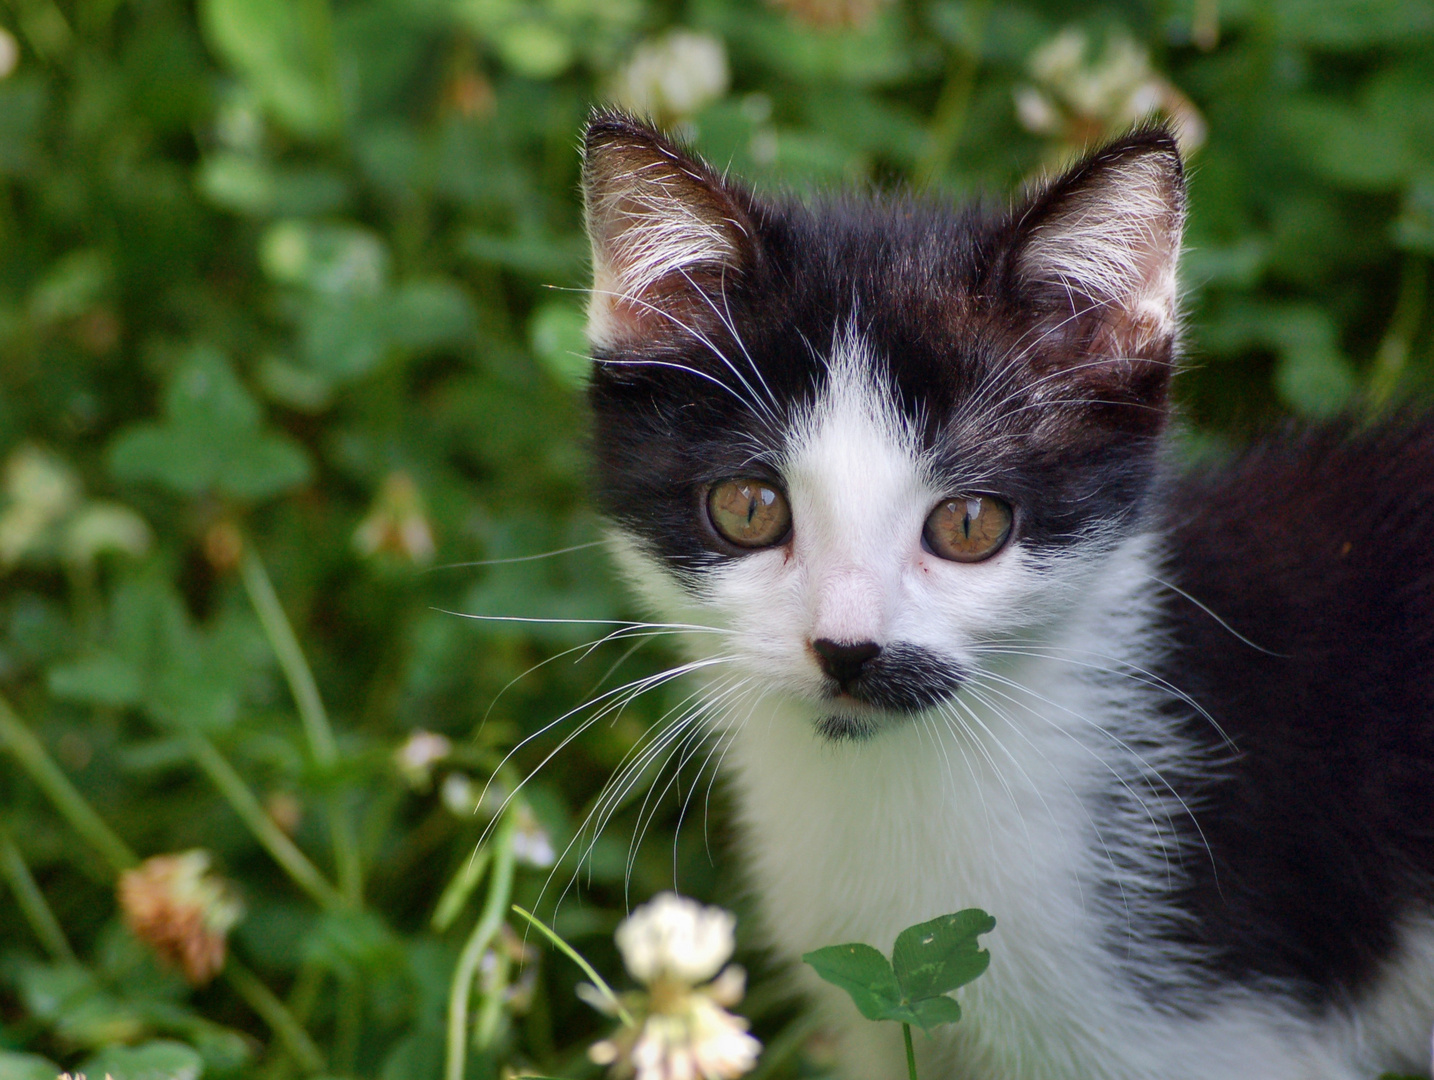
[845, 727]
[858, 721]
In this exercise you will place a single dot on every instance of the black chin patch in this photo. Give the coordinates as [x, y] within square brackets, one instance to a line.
[839, 728]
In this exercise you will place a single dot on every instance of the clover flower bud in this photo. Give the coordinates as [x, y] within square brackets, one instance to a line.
[417, 756]
[397, 523]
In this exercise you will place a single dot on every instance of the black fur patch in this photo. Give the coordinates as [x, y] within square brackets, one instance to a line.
[904, 679]
[1317, 548]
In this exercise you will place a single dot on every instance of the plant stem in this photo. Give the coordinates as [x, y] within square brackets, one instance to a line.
[949, 118]
[315, 718]
[910, 1051]
[348, 1025]
[63, 795]
[1392, 358]
[31, 900]
[573, 955]
[490, 1009]
[244, 802]
[500, 889]
[83, 819]
[460, 888]
[285, 644]
[276, 1014]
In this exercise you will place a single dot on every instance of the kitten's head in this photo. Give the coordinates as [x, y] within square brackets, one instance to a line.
[865, 437]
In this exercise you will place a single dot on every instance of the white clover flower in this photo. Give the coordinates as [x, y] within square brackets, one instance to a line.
[182, 911]
[417, 756]
[39, 490]
[678, 938]
[460, 795]
[1081, 99]
[531, 844]
[672, 76]
[105, 526]
[683, 1031]
[9, 52]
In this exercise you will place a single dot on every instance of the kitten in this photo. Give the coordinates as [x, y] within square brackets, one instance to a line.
[977, 642]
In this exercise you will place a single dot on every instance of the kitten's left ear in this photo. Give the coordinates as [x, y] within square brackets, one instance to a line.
[1102, 242]
[668, 234]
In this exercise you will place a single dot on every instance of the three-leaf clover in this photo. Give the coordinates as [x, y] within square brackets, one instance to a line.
[929, 960]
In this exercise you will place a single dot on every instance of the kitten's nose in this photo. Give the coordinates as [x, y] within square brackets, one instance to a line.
[843, 660]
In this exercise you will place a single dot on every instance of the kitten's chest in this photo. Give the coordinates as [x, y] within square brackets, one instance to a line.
[978, 808]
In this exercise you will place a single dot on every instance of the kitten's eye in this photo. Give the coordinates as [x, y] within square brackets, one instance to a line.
[749, 513]
[968, 528]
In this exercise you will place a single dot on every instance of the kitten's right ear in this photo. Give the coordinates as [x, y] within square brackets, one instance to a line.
[1103, 240]
[667, 233]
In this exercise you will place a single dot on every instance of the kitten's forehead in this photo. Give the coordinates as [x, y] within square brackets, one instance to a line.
[854, 464]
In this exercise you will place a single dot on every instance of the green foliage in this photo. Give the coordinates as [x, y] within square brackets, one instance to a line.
[289, 303]
[211, 439]
[929, 960]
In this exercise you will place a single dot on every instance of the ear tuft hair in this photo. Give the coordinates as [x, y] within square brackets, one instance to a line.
[1105, 237]
[663, 227]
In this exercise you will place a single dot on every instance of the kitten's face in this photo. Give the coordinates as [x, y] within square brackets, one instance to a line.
[864, 440]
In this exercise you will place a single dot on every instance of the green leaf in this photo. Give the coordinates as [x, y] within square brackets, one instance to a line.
[559, 339]
[864, 974]
[929, 960]
[936, 957]
[253, 187]
[212, 438]
[284, 49]
[26, 1067]
[1353, 24]
[429, 314]
[71, 1000]
[538, 50]
[934, 1011]
[158, 1060]
[100, 679]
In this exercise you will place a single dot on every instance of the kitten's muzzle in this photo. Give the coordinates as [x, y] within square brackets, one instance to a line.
[899, 677]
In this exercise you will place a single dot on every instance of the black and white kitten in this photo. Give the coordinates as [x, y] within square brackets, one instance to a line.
[975, 643]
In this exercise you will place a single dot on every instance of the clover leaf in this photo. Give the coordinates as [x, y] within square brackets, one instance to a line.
[929, 960]
[936, 957]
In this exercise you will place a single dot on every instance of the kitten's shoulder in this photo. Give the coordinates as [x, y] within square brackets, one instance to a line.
[1334, 502]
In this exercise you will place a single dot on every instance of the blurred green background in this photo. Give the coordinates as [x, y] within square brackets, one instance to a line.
[290, 343]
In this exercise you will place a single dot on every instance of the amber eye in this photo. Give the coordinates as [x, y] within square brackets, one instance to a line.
[749, 513]
[968, 528]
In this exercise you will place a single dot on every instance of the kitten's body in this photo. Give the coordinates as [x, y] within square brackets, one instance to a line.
[1176, 734]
